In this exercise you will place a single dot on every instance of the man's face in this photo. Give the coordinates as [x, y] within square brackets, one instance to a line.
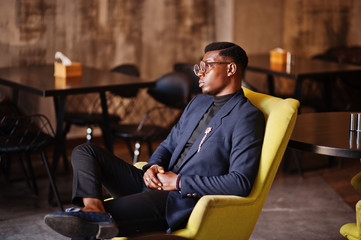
[214, 81]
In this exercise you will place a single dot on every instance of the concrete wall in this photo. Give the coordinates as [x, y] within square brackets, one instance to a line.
[304, 27]
[155, 34]
[104, 33]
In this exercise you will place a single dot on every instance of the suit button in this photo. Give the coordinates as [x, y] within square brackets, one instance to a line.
[189, 195]
[194, 194]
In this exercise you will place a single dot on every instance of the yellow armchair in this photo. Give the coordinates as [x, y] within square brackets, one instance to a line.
[352, 231]
[233, 217]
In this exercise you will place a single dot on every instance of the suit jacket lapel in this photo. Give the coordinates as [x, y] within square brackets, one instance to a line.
[191, 125]
[214, 124]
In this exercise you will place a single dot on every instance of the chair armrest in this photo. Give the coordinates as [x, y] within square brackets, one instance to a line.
[211, 210]
[140, 165]
[356, 182]
[353, 230]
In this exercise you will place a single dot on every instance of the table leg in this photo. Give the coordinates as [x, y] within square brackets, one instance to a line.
[59, 146]
[298, 89]
[327, 93]
[271, 85]
[15, 96]
[290, 155]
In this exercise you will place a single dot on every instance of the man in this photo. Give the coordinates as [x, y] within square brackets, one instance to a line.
[213, 149]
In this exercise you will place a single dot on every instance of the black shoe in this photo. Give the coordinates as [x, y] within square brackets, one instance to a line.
[75, 223]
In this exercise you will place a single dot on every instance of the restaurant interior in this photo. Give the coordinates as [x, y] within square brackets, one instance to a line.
[124, 53]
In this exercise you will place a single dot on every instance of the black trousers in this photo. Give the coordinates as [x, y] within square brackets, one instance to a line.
[135, 208]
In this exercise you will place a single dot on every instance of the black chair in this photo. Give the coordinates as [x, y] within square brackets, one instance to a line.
[172, 93]
[25, 135]
[187, 69]
[85, 109]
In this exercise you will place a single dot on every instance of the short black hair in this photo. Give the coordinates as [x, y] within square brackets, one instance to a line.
[231, 50]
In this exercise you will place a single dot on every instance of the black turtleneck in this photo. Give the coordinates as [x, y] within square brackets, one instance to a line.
[217, 104]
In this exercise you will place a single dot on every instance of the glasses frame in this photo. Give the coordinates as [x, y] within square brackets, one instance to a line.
[197, 68]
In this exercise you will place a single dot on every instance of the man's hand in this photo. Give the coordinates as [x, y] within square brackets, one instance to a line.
[156, 177]
[150, 177]
[168, 180]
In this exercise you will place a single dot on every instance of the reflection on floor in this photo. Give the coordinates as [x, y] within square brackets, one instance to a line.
[311, 207]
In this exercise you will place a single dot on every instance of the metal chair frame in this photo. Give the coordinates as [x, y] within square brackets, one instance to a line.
[25, 135]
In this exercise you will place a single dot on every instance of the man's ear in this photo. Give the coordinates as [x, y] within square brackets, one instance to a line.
[231, 69]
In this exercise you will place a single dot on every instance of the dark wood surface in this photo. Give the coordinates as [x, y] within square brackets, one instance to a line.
[326, 133]
[301, 67]
[40, 80]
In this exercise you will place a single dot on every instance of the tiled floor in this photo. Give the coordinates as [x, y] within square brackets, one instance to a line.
[323, 192]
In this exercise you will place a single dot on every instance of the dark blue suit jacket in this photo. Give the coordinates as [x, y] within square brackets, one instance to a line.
[228, 159]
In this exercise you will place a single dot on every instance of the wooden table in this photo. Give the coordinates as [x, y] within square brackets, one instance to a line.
[40, 80]
[327, 134]
[300, 69]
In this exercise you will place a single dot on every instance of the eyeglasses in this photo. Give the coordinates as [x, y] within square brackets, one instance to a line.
[204, 66]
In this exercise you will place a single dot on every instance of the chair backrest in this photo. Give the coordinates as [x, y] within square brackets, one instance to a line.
[172, 89]
[129, 69]
[25, 133]
[280, 115]
[90, 103]
[187, 69]
[8, 108]
[122, 103]
[234, 217]
[349, 55]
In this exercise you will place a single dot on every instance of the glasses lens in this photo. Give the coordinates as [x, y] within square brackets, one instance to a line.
[196, 69]
[203, 66]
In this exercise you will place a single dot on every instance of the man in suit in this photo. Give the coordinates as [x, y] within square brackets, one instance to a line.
[213, 149]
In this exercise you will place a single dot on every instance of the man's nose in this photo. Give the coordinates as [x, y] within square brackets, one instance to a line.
[200, 73]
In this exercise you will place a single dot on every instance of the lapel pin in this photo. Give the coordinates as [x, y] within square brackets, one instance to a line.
[208, 130]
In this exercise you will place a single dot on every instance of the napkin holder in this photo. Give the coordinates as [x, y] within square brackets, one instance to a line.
[67, 71]
[64, 83]
[278, 56]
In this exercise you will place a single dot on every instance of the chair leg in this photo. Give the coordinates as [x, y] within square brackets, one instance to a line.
[65, 160]
[150, 148]
[127, 142]
[136, 152]
[296, 160]
[25, 174]
[89, 134]
[52, 181]
[5, 166]
[65, 156]
[2, 164]
[32, 175]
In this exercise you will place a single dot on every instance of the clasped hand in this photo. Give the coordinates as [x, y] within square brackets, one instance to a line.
[155, 177]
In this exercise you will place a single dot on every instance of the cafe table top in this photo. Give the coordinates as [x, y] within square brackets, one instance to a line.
[40, 80]
[326, 133]
[299, 67]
